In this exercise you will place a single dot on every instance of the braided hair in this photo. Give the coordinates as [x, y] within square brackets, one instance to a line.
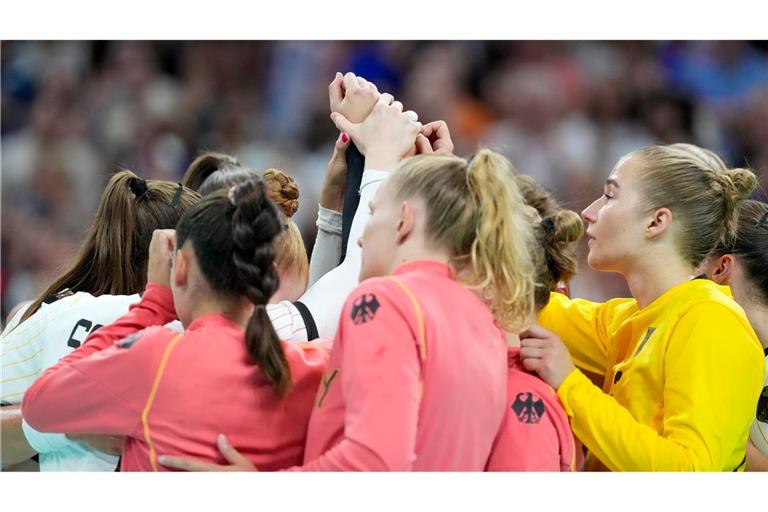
[232, 233]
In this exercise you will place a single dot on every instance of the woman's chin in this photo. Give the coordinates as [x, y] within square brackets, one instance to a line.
[594, 262]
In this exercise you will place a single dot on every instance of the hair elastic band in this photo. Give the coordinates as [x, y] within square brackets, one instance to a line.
[763, 220]
[177, 196]
[138, 186]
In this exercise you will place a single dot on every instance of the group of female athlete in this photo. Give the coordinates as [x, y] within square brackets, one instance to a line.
[192, 332]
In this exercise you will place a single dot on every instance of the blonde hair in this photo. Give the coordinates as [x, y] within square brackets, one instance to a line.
[700, 191]
[291, 252]
[476, 212]
[556, 230]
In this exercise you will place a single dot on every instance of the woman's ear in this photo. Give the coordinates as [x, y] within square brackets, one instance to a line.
[406, 222]
[658, 223]
[722, 269]
[180, 268]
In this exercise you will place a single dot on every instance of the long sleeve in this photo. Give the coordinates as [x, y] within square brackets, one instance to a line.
[380, 378]
[326, 252]
[712, 376]
[100, 387]
[21, 355]
[326, 297]
[582, 325]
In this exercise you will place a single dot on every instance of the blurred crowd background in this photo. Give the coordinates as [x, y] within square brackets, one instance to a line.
[564, 112]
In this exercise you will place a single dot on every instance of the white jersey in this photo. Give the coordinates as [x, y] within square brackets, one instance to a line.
[759, 431]
[51, 333]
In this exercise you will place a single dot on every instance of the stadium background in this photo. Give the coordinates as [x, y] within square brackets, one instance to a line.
[74, 112]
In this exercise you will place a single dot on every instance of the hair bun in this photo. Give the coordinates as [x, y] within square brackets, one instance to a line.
[282, 190]
[138, 186]
[566, 227]
[742, 182]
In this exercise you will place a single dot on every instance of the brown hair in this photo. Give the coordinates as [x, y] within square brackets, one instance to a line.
[556, 232]
[204, 166]
[212, 171]
[232, 233]
[476, 212]
[700, 191]
[750, 246]
[113, 257]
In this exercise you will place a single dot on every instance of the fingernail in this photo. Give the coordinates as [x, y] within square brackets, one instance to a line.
[344, 137]
[162, 460]
[223, 441]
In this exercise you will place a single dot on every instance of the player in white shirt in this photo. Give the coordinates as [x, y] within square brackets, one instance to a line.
[742, 264]
[105, 279]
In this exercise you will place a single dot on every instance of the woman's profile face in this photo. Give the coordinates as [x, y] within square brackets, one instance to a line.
[615, 222]
[378, 242]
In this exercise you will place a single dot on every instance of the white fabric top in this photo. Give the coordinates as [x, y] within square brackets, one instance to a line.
[51, 333]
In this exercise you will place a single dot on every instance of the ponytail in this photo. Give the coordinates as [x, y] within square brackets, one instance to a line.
[113, 256]
[501, 252]
[476, 212]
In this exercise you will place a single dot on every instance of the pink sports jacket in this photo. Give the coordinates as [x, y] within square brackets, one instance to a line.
[535, 434]
[173, 393]
[416, 380]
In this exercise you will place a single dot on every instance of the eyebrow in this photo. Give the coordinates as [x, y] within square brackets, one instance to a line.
[611, 181]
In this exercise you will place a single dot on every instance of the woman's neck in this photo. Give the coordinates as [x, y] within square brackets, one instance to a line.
[758, 318]
[414, 252]
[237, 311]
[651, 278]
[513, 340]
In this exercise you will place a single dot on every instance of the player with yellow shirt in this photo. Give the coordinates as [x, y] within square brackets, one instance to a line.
[682, 367]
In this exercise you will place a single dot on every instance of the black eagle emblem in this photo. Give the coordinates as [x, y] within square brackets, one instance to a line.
[364, 308]
[528, 407]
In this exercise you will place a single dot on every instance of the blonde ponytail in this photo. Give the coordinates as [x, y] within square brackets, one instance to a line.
[476, 211]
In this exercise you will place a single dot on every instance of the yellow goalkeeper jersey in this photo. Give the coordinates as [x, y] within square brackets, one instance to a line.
[681, 379]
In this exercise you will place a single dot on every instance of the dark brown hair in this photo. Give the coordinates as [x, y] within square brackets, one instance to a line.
[113, 257]
[207, 164]
[232, 233]
[750, 246]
